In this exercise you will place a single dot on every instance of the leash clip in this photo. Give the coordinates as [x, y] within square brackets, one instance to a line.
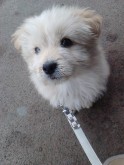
[71, 118]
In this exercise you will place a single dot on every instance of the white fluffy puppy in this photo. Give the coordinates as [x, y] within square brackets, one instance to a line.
[61, 49]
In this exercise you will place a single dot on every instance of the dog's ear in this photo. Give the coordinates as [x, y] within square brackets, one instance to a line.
[20, 36]
[17, 38]
[93, 20]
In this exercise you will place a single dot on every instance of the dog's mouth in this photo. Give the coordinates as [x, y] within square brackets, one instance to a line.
[57, 76]
[52, 77]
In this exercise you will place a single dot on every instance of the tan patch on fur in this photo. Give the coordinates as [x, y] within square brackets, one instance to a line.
[16, 37]
[93, 19]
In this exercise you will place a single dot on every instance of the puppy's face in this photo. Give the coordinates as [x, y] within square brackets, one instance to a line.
[57, 44]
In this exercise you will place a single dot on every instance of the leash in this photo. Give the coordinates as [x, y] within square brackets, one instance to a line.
[93, 158]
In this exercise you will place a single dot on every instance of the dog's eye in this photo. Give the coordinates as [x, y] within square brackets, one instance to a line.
[66, 42]
[37, 50]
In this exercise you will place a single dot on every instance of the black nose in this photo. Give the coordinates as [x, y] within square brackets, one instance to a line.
[49, 67]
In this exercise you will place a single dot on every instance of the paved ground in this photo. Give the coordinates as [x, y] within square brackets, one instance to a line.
[31, 132]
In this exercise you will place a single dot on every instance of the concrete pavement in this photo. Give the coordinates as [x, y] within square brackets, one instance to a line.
[31, 131]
